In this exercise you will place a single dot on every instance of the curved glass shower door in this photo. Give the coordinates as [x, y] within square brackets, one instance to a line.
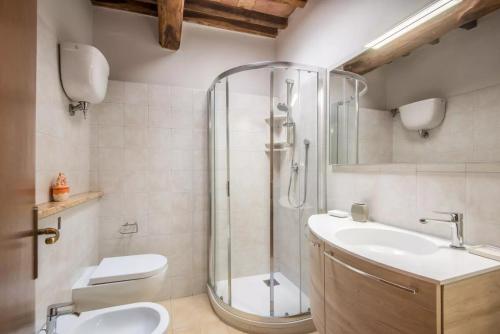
[266, 125]
[220, 261]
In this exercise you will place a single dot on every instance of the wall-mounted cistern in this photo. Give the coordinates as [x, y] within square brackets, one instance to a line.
[84, 75]
[457, 227]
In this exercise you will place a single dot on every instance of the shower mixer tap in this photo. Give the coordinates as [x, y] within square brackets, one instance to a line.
[294, 170]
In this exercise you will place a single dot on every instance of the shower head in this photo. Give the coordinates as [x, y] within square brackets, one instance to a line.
[307, 142]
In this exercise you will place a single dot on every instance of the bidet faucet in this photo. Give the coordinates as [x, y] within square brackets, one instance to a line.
[457, 227]
[53, 312]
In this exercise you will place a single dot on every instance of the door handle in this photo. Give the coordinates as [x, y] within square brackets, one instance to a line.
[370, 276]
[53, 232]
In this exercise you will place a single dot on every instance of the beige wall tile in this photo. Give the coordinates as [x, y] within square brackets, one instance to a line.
[152, 161]
[482, 224]
[63, 144]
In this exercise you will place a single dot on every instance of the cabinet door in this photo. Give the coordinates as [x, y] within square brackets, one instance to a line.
[317, 281]
[472, 305]
[362, 297]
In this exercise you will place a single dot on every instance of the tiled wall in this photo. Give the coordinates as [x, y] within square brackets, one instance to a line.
[375, 141]
[148, 149]
[400, 194]
[249, 184]
[62, 141]
[61, 264]
[62, 145]
[467, 134]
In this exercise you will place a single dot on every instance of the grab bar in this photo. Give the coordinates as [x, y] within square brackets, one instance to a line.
[370, 276]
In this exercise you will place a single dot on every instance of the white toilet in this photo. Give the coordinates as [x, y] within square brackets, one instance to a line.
[121, 280]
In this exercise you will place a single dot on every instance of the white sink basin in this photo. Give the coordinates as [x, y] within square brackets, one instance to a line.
[136, 318]
[416, 253]
[386, 241]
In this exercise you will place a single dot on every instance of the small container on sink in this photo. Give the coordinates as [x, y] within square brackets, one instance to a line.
[359, 212]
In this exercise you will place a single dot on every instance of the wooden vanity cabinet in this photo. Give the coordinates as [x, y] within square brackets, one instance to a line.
[317, 281]
[472, 305]
[352, 295]
[361, 297]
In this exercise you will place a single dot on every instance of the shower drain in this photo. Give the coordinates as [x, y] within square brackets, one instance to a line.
[268, 282]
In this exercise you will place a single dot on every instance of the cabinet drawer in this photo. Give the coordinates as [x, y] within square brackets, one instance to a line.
[361, 297]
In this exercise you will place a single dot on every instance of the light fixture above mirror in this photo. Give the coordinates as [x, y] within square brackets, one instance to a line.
[412, 22]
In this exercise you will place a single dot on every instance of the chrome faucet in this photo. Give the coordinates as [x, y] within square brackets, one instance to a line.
[457, 227]
[53, 312]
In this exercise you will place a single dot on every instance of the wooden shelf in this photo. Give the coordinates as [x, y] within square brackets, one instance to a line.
[52, 208]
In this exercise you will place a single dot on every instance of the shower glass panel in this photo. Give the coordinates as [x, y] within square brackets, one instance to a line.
[345, 90]
[249, 105]
[219, 155]
[295, 185]
[266, 148]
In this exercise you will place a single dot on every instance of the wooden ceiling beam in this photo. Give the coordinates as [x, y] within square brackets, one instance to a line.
[464, 12]
[170, 17]
[171, 13]
[229, 24]
[215, 9]
[294, 3]
[141, 7]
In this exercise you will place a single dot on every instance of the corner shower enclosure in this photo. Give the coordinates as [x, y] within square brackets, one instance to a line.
[267, 156]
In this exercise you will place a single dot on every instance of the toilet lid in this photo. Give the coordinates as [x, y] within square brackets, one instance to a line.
[124, 268]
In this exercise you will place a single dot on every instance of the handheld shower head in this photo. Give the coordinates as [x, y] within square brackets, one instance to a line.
[285, 107]
[307, 142]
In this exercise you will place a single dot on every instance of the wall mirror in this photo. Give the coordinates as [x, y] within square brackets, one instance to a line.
[429, 94]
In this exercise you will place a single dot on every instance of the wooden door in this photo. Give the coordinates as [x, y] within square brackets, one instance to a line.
[17, 163]
[361, 298]
[317, 281]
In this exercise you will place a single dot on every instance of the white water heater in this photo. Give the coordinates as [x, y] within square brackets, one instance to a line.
[424, 115]
[84, 75]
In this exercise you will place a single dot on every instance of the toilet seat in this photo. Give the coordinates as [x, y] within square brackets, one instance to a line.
[125, 268]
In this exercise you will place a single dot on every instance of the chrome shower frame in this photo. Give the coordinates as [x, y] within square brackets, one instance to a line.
[359, 92]
[288, 324]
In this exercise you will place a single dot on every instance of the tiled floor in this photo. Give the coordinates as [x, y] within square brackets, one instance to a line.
[194, 315]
